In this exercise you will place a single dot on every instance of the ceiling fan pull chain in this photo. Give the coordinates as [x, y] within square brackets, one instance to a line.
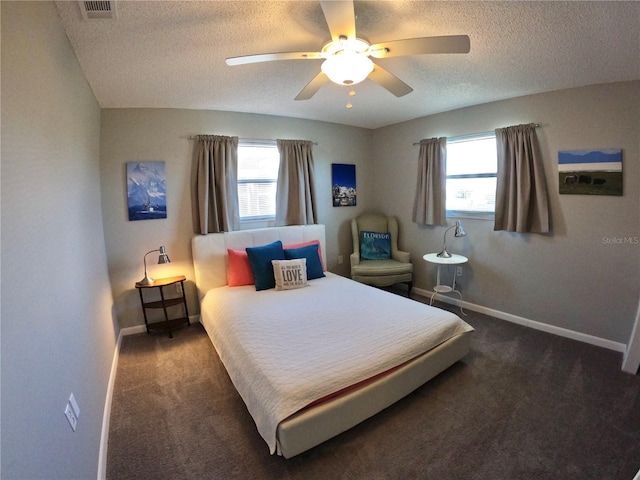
[351, 94]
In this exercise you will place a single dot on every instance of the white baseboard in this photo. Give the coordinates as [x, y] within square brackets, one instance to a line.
[142, 329]
[106, 416]
[132, 330]
[631, 361]
[563, 332]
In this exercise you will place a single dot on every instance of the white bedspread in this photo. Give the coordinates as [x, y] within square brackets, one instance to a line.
[285, 349]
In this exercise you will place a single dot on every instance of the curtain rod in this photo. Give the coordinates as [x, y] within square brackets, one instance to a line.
[537, 125]
[250, 140]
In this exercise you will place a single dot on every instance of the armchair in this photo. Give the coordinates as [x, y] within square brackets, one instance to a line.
[380, 272]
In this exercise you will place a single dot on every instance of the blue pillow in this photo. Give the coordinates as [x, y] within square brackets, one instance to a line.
[311, 253]
[260, 261]
[375, 245]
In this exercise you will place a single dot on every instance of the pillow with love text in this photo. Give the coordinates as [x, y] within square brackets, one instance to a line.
[290, 274]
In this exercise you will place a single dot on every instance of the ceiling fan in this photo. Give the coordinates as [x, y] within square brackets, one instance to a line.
[347, 58]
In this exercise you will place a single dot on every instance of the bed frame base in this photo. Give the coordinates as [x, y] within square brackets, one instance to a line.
[311, 427]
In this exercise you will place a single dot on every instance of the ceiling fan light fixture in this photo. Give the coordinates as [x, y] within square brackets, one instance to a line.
[346, 57]
[347, 67]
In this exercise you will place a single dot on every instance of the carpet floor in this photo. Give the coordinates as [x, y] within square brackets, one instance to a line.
[523, 404]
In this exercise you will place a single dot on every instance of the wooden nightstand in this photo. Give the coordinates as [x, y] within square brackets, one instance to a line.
[168, 324]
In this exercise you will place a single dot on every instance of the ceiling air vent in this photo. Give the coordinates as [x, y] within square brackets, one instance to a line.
[98, 9]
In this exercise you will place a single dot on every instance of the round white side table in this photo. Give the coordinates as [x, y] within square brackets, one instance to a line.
[453, 260]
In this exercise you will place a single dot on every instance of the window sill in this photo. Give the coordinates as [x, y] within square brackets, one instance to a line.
[471, 215]
[264, 222]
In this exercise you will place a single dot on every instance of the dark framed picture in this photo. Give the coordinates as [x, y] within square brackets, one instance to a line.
[590, 172]
[146, 190]
[343, 179]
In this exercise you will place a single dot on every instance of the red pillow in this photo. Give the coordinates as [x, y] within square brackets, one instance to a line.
[305, 244]
[239, 270]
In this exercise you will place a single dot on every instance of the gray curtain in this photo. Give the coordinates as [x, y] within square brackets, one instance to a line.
[429, 206]
[521, 192]
[215, 187]
[296, 195]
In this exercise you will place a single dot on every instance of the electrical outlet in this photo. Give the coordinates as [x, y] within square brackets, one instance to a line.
[340, 259]
[71, 417]
[179, 288]
[459, 271]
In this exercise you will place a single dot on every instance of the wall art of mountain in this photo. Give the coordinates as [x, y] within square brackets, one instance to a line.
[146, 190]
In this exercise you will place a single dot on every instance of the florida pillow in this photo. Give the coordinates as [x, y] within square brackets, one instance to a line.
[290, 274]
[375, 245]
[260, 260]
[239, 269]
[311, 254]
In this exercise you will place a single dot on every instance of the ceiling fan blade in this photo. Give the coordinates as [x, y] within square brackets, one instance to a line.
[268, 57]
[313, 86]
[340, 17]
[421, 46]
[389, 81]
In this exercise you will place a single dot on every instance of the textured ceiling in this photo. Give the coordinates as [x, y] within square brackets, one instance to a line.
[170, 54]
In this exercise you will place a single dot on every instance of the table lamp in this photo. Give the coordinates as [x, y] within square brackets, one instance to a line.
[163, 258]
[458, 232]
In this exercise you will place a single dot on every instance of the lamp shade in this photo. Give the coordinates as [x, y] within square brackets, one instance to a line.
[163, 258]
[347, 67]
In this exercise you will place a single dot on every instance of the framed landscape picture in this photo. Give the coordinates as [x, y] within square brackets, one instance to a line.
[146, 190]
[590, 172]
[343, 179]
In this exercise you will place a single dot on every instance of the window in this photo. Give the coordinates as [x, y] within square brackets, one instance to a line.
[472, 163]
[258, 164]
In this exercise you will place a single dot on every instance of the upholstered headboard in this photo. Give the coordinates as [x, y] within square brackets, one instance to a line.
[210, 251]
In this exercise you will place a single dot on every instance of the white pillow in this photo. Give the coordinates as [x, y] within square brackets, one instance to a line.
[290, 274]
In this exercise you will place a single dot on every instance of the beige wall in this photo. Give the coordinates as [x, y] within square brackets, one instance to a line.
[58, 335]
[571, 278]
[162, 134]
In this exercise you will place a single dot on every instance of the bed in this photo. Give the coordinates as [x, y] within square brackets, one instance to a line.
[312, 362]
